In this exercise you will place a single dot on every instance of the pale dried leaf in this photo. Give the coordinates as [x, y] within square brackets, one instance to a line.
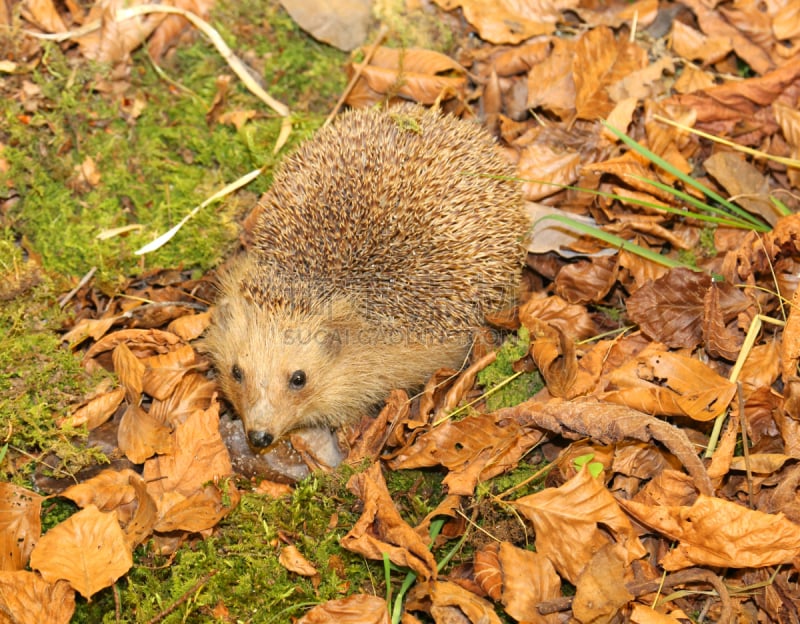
[190, 326]
[88, 550]
[528, 580]
[574, 521]
[141, 435]
[20, 525]
[572, 320]
[294, 561]
[600, 592]
[25, 598]
[198, 456]
[380, 529]
[510, 21]
[693, 45]
[355, 609]
[97, 411]
[718, 533]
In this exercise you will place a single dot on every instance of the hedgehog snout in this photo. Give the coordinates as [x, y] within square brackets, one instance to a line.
[259, 439]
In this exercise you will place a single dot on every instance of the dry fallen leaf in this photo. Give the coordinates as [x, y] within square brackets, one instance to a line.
[576, 520]
[355, 609]
[25, 598]
[88, 550]
[600, 592]
[718, 533]
[380, 529]
[662, 382]
[20, 525]
[294, 561]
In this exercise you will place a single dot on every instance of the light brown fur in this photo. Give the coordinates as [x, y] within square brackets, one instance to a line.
[376, 254]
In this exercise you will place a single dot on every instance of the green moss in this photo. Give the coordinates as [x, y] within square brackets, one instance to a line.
[157, 163]
[39, 378]
[508, 480]
[298, 70]
[239, 565]
[518, 389]
[55, 511]
[419, 491]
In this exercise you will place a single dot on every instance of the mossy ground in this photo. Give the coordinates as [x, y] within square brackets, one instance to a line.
[158, 156]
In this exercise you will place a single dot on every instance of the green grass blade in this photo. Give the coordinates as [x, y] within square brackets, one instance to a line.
[654, 158]
[783, 209]
[727, 219]
[617, 242]
[706, 208]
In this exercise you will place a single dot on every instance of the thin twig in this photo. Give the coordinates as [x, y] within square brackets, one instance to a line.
[359, 70]
[202, 581]
[66, 298]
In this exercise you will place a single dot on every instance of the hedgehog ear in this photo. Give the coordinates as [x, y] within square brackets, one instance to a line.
[341, 326]
[221, 313]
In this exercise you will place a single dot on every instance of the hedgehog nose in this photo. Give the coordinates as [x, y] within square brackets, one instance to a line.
[259, 439]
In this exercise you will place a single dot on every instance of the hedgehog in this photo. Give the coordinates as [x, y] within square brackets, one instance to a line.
[376, 253]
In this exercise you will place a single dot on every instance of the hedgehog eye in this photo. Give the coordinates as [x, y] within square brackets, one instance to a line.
[297, 380]
[236, 373]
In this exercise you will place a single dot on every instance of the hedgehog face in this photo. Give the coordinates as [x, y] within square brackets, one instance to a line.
[280, 371]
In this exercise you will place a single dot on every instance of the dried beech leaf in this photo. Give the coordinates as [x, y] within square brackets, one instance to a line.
[544, 168]
[608, 423]
[107, 491]
[790, 345]
[193, 392]
[473, 449]
[600, 592]
[640, 614]
[20, 525]
[355, 609]
[574, 521]
[130, 370]
[667, 383]
[380, 529]
[116, 39]
[719, 340]
[693, 45]
[140, 435]
[669, 487]
[449, 602]
[587, 281]
[760, 463]
[487, 571]
[162, 373]
[415, 74]
[745, 184]
[88, 328]
[720, 108]
[170, 29]
[25, 598]
[554, 355]
[97, 411]
[140, 526]
[528, 580]
[507, 21]
[293, 560]
[143, 342]
[552, 87]
[601, 61]
[198, 455]
[200, 511]
[572, 320]
[190, 326]
[718, 533]
[88, 550]
[670, 308]
[371, 440]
